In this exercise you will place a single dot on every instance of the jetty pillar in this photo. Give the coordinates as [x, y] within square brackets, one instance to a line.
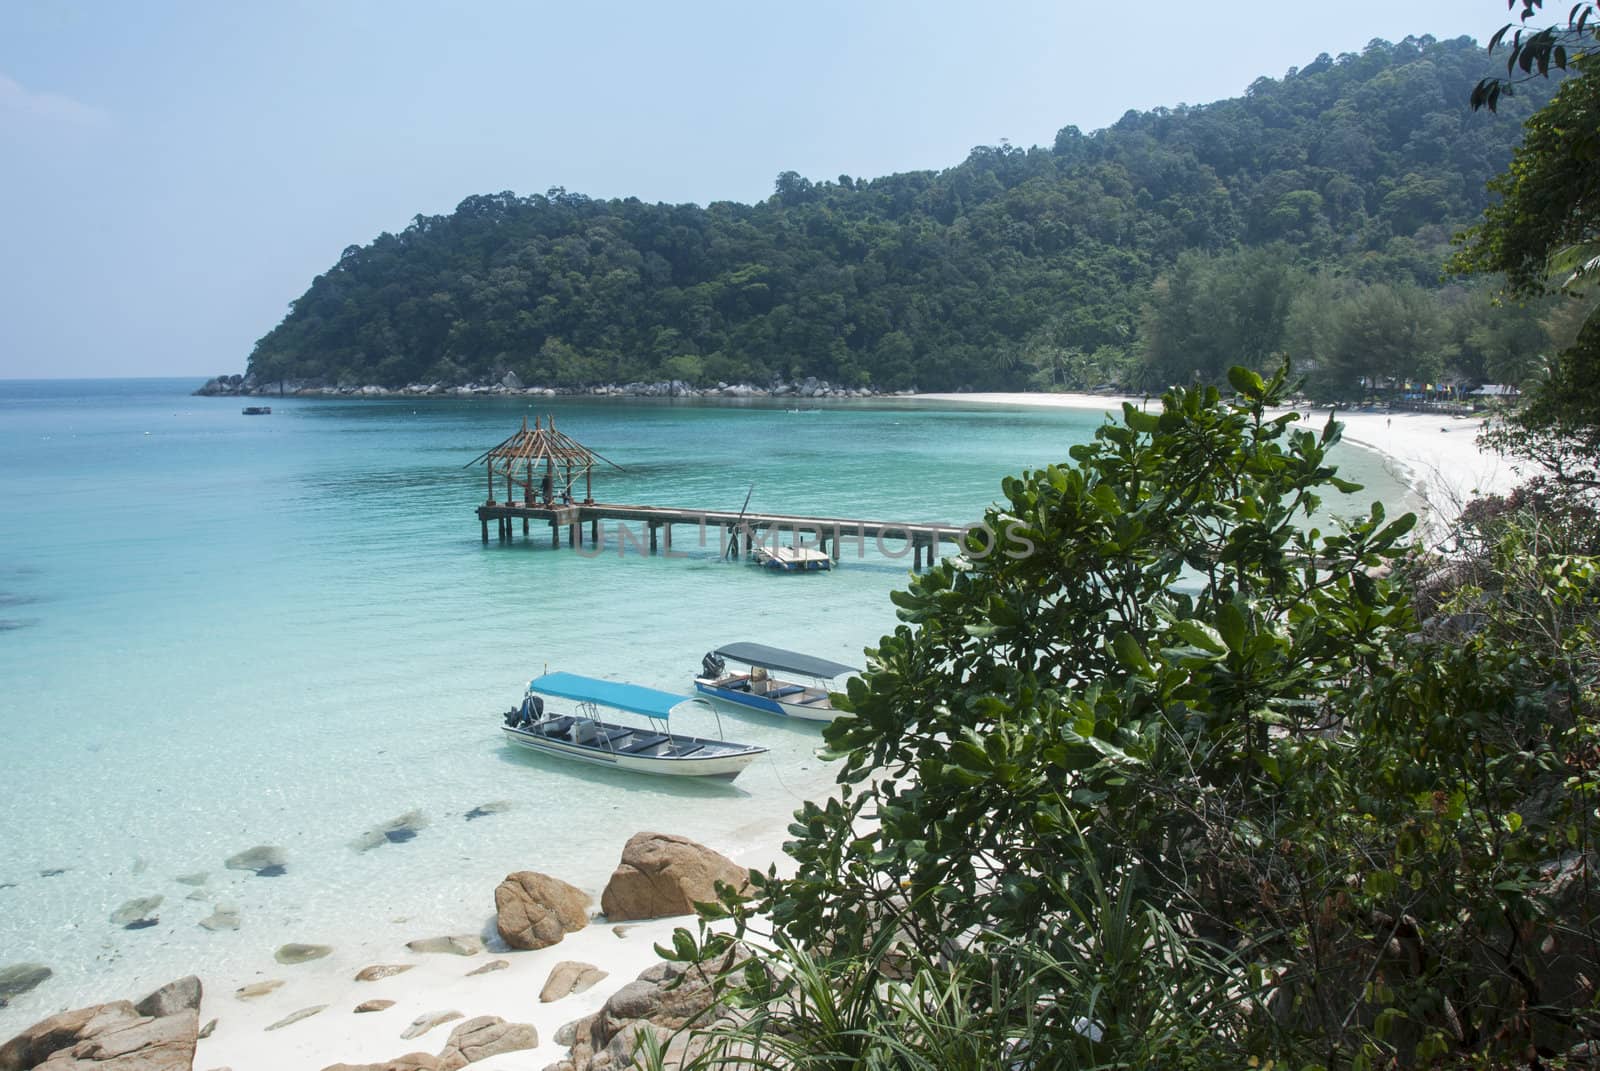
[653, 527]
[524, 528]
[555, 536]
[575, 534]
[485, 531]
[916, 556]
[594, 532]
[666, 539]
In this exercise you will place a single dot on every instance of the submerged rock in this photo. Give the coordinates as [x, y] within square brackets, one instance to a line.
[267, 860]
[205, 1031]
[382, 970]
[426, 1022]
[462, 945]
[484, 810]
[300, 953]
[295, 1017]
[196, 879]
[490, 967]
[18, 978]
[222, 917]
[53, 872]
[395, 831]
[137, 914]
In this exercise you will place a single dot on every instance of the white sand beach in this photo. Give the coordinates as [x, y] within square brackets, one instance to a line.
[1437, 456]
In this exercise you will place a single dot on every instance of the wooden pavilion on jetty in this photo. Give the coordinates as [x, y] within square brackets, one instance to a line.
[539, 470]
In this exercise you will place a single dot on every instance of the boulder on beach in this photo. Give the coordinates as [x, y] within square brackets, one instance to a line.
[112, 1035]
[490, 967]
[380, 971]
[266, 860]
[138, 913]
[295, 952]
[257, 989]
[18, 978]
[569, 977]
[661, 875]
[459, 945]
[411, 1061]
[483, 1037]
[534, 910]
[426, 1022]
[373, 1006]
[296, 1016]
[664, 998]
[172, 998]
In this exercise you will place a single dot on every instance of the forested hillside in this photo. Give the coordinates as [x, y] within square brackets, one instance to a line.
[1309, 215]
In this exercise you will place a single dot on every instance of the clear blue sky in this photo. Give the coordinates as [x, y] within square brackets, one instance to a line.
[174, 174]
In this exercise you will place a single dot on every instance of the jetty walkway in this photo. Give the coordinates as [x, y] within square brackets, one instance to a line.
[652, 528]
[537, 472]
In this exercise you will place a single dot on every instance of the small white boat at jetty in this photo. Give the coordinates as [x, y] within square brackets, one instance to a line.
[791, 559]
[583, 736]
[758, 689]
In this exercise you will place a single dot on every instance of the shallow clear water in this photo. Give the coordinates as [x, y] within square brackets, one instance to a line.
[220, 631]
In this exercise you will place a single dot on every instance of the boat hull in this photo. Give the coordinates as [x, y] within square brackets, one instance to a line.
[750, 701]
[724, 766]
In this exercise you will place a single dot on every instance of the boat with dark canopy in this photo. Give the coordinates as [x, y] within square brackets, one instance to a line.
[582, 735]
[760, 688]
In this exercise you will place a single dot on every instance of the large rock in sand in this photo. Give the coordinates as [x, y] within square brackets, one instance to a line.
[483, 1037]
[569, 977]
[534, 910]
[662, 875]
[106, 1036]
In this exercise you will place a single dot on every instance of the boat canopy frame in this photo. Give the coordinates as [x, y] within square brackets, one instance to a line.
[633, 698]
[776, 658]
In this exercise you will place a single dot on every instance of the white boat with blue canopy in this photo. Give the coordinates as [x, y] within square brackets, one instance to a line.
[764, 685]
[584, 736]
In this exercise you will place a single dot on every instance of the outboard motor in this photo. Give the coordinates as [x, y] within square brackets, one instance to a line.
[531, 710]
[712, 665]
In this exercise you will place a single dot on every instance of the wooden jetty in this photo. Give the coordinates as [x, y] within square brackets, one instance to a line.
[539, 470]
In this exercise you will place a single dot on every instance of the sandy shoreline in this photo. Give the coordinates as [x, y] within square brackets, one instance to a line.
[1437, 456]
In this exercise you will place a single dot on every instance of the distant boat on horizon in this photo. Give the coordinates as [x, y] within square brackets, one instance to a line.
[258, 410]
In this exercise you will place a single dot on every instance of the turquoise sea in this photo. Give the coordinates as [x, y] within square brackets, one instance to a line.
[220, 631]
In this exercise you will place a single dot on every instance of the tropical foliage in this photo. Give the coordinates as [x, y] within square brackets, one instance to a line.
[1206, 777]
[1049, 266]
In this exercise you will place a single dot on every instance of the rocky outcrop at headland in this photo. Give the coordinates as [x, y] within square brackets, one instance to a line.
[794, 390]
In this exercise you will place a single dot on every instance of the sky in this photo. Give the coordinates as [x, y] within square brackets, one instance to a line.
[173, 174]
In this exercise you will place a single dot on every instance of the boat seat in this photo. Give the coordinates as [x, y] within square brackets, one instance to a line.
[808, 700]
[793, 689]
[554, 727]
[679, 753]
[645, 742]
[607, 737]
